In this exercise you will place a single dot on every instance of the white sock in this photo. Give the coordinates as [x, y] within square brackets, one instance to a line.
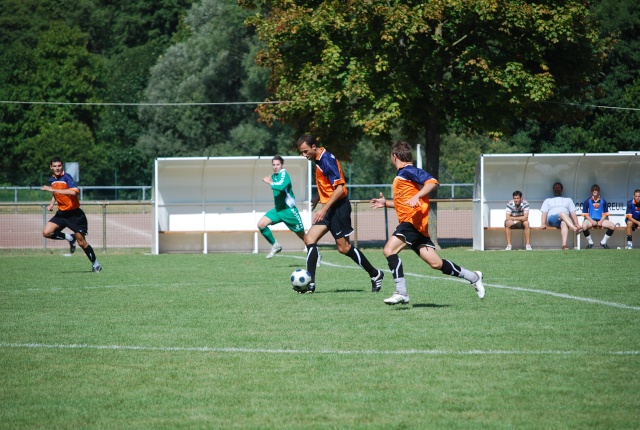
[68, 237]
[401, 286]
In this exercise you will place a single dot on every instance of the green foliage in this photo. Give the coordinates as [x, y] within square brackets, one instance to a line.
[214, 64]
[59, 69]
[364, 68]
[77, 51]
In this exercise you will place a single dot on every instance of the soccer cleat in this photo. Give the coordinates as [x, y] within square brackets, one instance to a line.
[590, 246]
[96, 267]
[508, 248]
[311, 288]
[604, 245]
[72, 246]
[274, 250]
[319, 260]
[376, 282]
[478, 285]
[565, 248]
[529, 248]
[396, 299]
[629, 246]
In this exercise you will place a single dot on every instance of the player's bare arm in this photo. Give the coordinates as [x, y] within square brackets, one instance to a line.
[426, 189]
[338, 192]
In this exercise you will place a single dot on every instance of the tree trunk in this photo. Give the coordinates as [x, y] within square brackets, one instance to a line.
[432, 165]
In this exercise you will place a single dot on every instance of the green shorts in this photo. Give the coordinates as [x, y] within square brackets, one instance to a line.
[290, 216]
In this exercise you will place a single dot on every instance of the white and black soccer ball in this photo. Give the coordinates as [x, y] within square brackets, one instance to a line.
[300, 279]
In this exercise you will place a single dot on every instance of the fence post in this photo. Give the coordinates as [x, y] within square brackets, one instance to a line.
[104, 228]
[355, 221]
[44, 222]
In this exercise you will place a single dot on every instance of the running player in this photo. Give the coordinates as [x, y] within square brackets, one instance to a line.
[334, 215]
[69, 215]
[410, 188]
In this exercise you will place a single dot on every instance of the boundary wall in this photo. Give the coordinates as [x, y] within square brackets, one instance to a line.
[499, 175]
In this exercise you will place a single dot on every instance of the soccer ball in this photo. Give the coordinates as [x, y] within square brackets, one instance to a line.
[300, 278]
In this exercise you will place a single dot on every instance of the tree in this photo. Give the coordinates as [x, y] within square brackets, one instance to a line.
[58, 69]
[346, 69]
[212, 64]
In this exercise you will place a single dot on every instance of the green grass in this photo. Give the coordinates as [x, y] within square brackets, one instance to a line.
[221, 341]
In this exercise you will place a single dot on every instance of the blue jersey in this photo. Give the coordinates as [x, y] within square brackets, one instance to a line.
[597, 210]
[633, 210]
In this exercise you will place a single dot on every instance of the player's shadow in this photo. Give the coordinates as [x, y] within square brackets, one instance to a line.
[429, 305]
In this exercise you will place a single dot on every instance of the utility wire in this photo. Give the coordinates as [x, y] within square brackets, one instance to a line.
[135, 104]
[250, 103]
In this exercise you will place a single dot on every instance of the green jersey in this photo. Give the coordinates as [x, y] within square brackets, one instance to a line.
[282, 190]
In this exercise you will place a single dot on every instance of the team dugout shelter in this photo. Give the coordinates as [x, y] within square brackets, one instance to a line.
[499, 175]
[213, 204]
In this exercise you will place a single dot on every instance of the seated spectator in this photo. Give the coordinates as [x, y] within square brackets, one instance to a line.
[596, 215]
[517, 218]
[560, 212]
[633, 216]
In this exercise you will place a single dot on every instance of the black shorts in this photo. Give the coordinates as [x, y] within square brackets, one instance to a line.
[75, 220]
[338, 219]
[412, 237]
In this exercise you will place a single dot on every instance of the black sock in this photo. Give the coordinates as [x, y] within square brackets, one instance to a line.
[58, 235]
[312, 260]
[89, 251]
[395, 265]
[359, 258]
[449, 268]
[586, 233]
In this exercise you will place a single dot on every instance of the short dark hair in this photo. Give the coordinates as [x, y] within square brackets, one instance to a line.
[306, 138]
[595, 186]
[55, 160]
[279, 158]
[558, 183]
[402, 150]
[517, 193]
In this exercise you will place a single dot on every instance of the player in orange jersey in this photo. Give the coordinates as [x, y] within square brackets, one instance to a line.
[334, 215]
[410, 188]
[69, 215]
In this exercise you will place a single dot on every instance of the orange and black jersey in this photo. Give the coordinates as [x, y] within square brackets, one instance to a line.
[408, 181]
[64, 182]
[328, 175]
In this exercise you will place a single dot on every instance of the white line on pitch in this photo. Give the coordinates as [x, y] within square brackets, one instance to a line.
[504, 287]
[309, 351]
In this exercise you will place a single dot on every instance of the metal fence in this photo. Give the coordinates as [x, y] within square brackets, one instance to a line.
[115, 193]
[116, 225]
[143, 193]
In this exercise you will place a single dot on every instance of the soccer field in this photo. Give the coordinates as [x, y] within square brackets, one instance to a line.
[221, 341]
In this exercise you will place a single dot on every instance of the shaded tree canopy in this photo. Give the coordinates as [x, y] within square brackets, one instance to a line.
[347, 69]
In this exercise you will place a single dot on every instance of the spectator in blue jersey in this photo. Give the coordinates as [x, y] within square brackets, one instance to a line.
[560, 212]
[595, 211]
[633, 217]
[517, 217]
[285, 209]
[69, 215]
